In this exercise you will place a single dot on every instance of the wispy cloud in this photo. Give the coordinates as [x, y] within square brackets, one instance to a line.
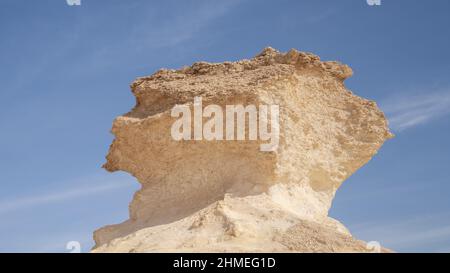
[145, 34]
[320, 16]
[407, 111]
[59, 196]
[427, 232]
[175, 30]
[50, 242]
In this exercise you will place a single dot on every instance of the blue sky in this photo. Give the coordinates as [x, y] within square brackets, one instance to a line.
[65, 73]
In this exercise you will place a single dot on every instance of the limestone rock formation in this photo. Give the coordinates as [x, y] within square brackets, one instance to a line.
[200, 195]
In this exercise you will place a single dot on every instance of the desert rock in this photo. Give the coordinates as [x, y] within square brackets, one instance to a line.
[228, 196]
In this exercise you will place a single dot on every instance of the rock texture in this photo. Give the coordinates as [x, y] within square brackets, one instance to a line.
[228, 195]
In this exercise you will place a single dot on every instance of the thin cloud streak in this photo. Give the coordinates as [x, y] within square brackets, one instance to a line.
[415, 233]
[51, 242]
[178, 29]
[146, 35]
[320, 16]
[61, 196]
[405, 237]
[409, 111]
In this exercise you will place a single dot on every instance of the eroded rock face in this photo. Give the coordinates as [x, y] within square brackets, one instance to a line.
[200, 195]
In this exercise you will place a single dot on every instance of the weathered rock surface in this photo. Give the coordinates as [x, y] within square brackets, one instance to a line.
[229, 195]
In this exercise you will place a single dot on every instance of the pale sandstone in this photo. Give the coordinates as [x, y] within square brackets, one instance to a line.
[228, 195]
